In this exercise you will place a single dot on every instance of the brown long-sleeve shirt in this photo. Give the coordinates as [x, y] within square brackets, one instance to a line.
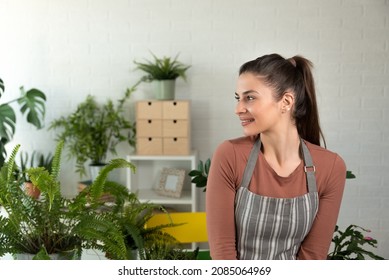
[228, 163]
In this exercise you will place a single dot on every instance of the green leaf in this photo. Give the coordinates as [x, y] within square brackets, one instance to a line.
[7, 122]
[200, 167]
[43, 180]
[32, 102]
[97, 187]
[1, 87]
[193, 173]
[350, 175]
[207, 166]
[200, 175]
[165, 68]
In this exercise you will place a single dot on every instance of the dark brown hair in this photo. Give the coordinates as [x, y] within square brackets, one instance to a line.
[293, 74]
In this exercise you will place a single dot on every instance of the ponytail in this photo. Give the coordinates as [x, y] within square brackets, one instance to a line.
[291, 74]
[306, 111]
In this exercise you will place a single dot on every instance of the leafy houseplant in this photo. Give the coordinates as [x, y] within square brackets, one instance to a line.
[32, 103]
[349, 244]
[200, 175]
[163, 72]
[93, 130]
[54, 224]
[165, 251]
[132, 217]
[37, 160]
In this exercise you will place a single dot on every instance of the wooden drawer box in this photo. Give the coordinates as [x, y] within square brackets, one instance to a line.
[149, 146]
[175, 146]
[175, 128]
[175, 110]
[149, 128]
[163, 127]
[149, 110]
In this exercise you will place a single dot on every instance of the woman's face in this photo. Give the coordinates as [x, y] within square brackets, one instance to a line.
[257, 109]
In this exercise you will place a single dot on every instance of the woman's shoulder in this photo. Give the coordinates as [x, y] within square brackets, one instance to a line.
[316, 149]
[326, 157]
[240, 143]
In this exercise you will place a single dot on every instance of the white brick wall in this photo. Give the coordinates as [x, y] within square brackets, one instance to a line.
[72, 48]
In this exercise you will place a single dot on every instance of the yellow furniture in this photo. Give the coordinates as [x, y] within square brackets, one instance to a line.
[192, 230]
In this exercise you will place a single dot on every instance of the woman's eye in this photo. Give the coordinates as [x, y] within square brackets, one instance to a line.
[249, 97]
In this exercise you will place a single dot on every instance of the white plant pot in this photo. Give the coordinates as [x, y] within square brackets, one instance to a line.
[95, 170]
[63, 256]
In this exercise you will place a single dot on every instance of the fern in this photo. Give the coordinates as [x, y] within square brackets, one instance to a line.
[97, 187]
[11, 163]
[54, 224]
[93, 228]
[56, 164]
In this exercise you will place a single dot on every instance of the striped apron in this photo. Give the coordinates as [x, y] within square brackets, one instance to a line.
[273, 228]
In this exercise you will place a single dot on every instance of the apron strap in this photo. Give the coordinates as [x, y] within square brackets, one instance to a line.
[309, 168]
[251, 162]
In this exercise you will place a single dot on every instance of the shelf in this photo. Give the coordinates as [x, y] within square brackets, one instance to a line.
[162, 157]
[152, 196]
[147, 176]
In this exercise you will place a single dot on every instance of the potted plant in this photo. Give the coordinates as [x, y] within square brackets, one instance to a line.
[200, 175]
[161, 250]
[163, 72]
[349, 244]
[93, 130]
[132, 216]
[54, 226]
[32, 103]
[37, 159]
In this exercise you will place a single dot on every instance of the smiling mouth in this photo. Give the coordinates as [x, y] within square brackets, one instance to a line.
[246, 121]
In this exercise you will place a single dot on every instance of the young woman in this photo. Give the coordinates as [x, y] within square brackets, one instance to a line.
[275, 193]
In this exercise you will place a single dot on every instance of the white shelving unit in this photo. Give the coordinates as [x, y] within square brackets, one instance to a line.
[147, 176]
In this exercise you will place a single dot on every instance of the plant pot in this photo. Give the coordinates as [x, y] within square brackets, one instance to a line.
[67, 255]
[95, 170]
[164, 89]
[32, 190]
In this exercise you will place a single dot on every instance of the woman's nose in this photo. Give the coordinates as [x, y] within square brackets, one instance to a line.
[240, 108]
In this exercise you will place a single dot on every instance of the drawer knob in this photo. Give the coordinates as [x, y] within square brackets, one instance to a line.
[174, 121]
[175, 139]
[150, 139]
[149, 121]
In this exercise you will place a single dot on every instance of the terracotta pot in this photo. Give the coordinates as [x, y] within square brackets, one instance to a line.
[32, 190]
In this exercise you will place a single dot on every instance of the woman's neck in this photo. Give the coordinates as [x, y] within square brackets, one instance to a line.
[282, 150]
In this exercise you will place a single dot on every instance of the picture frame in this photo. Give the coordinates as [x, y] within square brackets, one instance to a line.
[171, 182]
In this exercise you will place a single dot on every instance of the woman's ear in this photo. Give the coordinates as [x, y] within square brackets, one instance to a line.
[287, 101]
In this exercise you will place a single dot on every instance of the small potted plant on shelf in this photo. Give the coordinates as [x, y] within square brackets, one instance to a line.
[93, 130]
[56, 227]
[32, 103]
[163, 72]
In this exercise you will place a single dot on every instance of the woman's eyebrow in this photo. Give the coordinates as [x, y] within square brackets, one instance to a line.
[247, 92]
